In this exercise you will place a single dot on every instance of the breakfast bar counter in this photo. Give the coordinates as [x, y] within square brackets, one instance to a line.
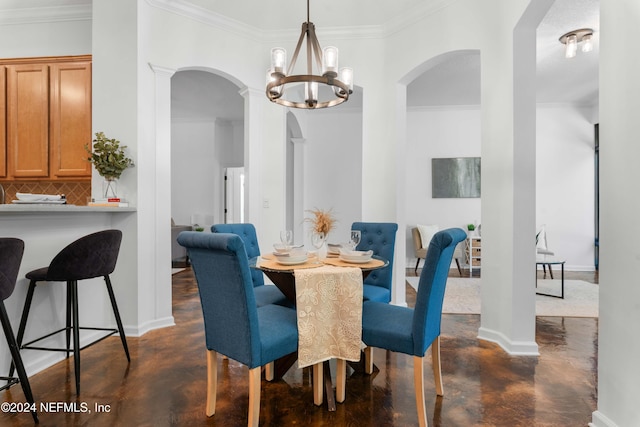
[57, 209]
[45, 230]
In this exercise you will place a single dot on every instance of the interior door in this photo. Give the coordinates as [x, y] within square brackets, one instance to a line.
[234, 196]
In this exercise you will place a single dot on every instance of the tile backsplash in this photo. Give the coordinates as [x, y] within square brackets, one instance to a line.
[77, 192]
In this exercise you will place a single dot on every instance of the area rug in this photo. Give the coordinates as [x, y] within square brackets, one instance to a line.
[580, 298]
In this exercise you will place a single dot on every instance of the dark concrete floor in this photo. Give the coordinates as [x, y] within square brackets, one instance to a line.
[164, 385]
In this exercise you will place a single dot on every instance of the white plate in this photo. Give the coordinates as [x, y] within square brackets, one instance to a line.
[39, 202]
[294, 261]
[28, 197]
[356, 260]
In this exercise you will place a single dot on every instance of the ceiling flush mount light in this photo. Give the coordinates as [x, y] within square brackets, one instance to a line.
[573, 38]
[326, 62]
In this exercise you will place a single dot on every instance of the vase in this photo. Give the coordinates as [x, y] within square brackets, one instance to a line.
[319, 241]
[110, 188]
[322, 251]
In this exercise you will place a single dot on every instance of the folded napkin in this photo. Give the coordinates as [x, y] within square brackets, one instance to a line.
[329, 307]
[28, 197]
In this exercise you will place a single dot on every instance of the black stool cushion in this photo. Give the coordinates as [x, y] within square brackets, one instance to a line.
[11, 251]
[93, 255]
[38, 275]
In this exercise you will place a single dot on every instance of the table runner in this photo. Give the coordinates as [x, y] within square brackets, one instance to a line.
[329, 307]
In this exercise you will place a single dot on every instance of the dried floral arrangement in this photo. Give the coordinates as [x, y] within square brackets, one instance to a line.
[322, 221]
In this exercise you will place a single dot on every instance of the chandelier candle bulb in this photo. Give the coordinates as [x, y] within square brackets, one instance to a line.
[588, 43]
[311, 90]
[572, 46]
[276, 90]
[278, 60]
[330, 61]
[346, 76]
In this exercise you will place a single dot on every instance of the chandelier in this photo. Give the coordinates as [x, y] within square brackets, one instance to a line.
[572, 38]
[326, 62]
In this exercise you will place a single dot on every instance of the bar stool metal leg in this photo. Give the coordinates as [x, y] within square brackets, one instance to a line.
[76, 331]
[116, 313]
[23, 319]
[68, 327]
[17, 360]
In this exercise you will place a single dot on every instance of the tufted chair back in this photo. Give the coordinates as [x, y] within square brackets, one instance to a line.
[247, 233]
[380, 237]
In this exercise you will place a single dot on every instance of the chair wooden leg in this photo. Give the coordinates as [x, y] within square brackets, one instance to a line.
[418, 384]
[437, 370]
[254, 396]
[368, 360]
[269, 370]
[341, 380]
[318, 382]
[212, 382]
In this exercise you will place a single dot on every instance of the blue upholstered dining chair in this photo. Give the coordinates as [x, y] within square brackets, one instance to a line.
[265, 294]
[380, 237]
[412, 331]
[234, 325]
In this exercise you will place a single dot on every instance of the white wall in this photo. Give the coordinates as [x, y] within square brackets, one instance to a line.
[438, 133]
[565, 182]
[565, 175]
[618, 339]
[200, 151]
[46, 39]
[333, 168]
[195, 170]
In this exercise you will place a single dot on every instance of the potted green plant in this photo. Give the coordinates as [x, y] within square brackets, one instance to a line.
[110, 160]
[471, 227]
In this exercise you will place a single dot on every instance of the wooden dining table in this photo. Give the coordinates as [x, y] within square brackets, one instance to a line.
[284, 278]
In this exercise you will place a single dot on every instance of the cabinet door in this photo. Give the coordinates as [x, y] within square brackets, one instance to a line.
[28, 121]
[70, 119]
[3, 123]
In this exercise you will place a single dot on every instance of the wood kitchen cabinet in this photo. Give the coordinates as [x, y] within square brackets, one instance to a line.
[70, 115]
[48, 119]
[28, 121]
[3, 122]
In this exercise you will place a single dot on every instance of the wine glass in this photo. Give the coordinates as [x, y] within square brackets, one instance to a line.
[355, 239]
[286, 237]
[317, 240]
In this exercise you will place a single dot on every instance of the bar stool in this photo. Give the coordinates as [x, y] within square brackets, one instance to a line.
[94, 255]
[11, 251]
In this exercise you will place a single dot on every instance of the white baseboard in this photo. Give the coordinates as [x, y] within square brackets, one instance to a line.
[514, 348]
[138, 331]
[598, 419]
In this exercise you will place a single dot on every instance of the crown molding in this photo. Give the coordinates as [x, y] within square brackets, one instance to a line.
[408, 17]
[42, 15]
[207, 17]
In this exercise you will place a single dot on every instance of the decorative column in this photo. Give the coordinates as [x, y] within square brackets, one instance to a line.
[156, 184]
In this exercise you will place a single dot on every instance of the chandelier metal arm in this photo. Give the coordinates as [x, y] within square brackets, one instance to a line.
[317, 50]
